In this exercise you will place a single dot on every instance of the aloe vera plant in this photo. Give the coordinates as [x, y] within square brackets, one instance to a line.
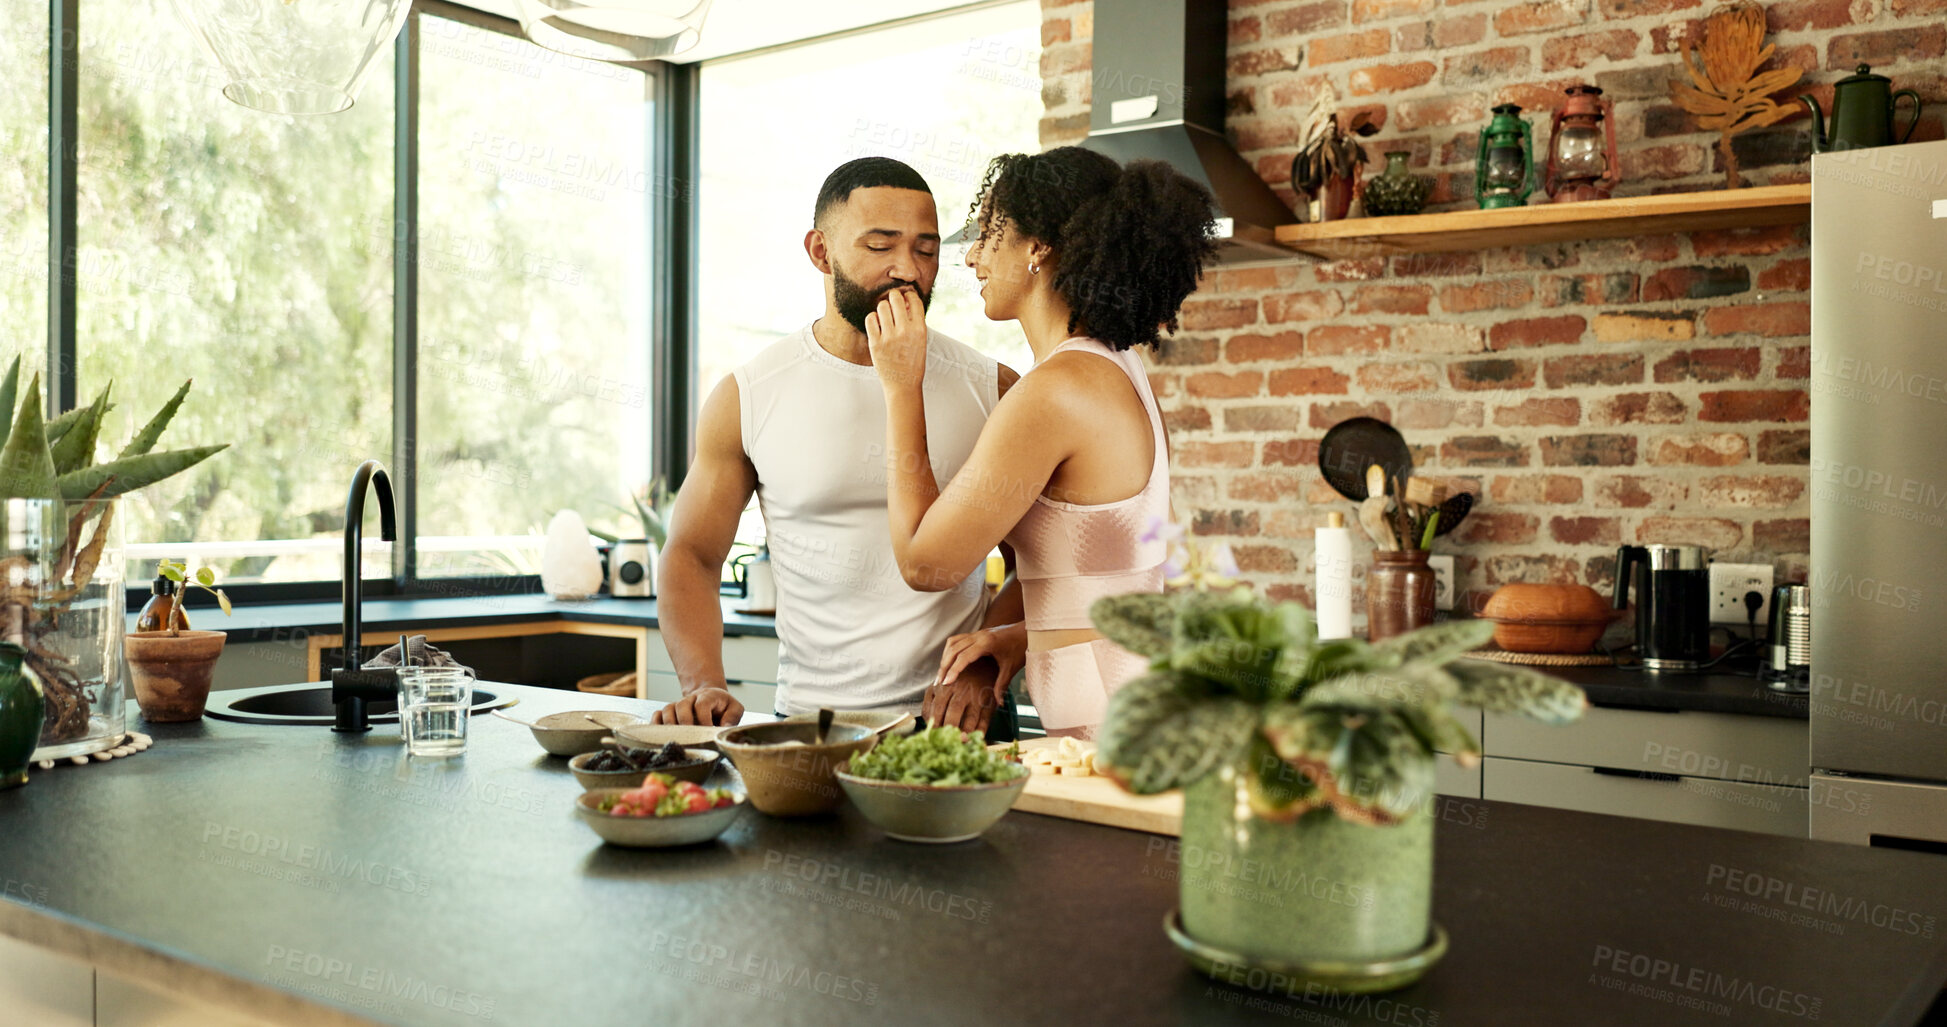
[1341, 725]
[55, 460]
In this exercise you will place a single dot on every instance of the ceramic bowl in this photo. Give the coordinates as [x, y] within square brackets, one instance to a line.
[570, 734]
[702, 762]
[654, 832]
[1532, 618]
[931, 813]
[787, 780]
[654, 736]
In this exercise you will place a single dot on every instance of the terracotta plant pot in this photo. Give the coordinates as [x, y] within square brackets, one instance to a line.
[172, 673]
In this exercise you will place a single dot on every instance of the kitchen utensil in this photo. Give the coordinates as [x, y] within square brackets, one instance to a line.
[1862, 113]
[632, 569]
[654, 832]
[786, 774]
[879, 723]
[571, 733]
[824, 724]
[1672, 589]
[1538, 618]
[590, 717]
[514, 720]
[1372, 517]
[931, 813]
[1356, 443]
[1453, 510]
[1791, 638]
[433, 708]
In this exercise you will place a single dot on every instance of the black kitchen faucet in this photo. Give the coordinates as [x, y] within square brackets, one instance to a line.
[351, 686]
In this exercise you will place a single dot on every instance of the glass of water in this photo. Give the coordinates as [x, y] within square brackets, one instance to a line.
[433, 705]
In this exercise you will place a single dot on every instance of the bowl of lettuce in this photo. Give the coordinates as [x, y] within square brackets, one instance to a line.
[938, 785]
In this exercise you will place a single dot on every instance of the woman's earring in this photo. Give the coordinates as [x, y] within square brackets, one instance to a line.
[1033, 268]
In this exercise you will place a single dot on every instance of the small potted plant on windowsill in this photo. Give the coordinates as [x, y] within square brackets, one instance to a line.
[171, 668]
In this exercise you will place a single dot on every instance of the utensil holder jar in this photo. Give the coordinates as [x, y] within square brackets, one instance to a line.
[1399, 593]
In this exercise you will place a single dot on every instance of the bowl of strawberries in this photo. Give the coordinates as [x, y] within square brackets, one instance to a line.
[659, 813]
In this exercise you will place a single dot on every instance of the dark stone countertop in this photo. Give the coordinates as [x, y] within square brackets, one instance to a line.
[1628, 688]
[312, 876]
[280, 621]
[1606, 686]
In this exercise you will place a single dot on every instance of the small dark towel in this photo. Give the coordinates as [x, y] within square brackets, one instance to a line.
[424, 654]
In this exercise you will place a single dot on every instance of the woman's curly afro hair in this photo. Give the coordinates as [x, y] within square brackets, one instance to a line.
[1129, 242]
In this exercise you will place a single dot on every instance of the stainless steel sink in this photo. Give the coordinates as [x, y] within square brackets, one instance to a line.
[310, 704]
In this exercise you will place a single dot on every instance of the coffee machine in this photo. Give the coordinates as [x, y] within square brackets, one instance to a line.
[1672, 589]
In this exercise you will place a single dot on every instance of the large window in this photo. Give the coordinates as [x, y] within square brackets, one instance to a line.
[945, 95]
[534, 295]
[267, 257]
[23, 179]
[233, 247]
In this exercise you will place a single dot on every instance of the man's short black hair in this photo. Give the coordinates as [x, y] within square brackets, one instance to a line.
[864, 173]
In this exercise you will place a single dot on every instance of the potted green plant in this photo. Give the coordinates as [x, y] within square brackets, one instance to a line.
[171, 669]
[1307, 771]
[1326, 167]
[61, 571]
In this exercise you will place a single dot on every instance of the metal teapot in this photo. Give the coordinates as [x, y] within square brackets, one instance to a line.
[1862, 113]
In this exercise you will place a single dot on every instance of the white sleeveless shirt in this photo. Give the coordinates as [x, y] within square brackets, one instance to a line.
[852, 635]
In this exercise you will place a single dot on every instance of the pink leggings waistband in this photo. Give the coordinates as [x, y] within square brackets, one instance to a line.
[1070, 686]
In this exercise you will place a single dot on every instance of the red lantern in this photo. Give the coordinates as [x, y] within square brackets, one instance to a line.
[1582, 161]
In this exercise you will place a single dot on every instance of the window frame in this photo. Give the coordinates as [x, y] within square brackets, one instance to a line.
[670, 133]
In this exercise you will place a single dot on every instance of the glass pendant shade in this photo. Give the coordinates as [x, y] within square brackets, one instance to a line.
[295, 56]
[1506, 169]
[615, 30]
[1578, 152]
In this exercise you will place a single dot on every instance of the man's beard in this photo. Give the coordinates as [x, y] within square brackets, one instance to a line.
[854, 302]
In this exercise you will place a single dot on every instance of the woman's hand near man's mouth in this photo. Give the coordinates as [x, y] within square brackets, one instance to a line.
[896, 335]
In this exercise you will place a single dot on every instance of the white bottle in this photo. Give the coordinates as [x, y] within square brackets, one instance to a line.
[1332, 577]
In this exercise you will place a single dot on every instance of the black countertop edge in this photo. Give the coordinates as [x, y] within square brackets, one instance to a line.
[283, 621]
[1628, 688]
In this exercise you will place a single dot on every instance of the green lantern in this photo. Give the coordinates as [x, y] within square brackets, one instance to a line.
[1504, 167]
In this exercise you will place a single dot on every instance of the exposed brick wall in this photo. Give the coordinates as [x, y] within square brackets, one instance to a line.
[1633, 390]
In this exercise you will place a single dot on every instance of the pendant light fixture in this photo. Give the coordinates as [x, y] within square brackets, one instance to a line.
[295, 56]
[615, 30]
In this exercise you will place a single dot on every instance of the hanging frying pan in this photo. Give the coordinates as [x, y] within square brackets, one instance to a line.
[1356, 443]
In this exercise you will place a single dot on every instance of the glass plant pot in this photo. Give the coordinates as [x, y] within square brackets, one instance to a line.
[295, 56]
[1396, 191]
[61, 582]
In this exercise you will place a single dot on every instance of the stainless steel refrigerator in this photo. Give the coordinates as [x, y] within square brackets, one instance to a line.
[1879, 496]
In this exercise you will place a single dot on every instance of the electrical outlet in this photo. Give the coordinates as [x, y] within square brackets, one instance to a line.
[1442, 581]
[1729, 582]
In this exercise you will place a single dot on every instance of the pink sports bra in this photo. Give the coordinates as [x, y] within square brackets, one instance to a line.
[1067, 556]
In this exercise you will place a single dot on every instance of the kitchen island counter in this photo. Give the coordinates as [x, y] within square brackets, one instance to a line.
[310, 877]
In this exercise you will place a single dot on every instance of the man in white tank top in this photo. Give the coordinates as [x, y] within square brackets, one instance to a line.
[803, 425]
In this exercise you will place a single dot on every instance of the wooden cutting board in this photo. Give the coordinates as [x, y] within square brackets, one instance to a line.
[1098, 800]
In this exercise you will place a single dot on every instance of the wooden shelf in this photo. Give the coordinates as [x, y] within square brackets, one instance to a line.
[1551, 223]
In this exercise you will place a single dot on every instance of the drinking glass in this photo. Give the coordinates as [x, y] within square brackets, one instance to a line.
[433, 704]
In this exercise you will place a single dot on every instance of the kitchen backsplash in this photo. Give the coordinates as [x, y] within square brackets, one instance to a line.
[1651, 389]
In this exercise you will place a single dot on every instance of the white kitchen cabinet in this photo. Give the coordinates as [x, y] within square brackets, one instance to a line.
[747, 658]
[124, 1003]
[1715, 769]
[1449, 777]
[1709, 802]
[40, 988]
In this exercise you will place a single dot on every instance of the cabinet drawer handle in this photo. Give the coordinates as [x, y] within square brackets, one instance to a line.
[1643, 775]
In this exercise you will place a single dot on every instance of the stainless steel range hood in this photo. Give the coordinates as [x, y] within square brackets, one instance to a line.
[1158, 71]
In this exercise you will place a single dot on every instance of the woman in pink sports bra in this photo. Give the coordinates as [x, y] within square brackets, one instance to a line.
[1072, 469]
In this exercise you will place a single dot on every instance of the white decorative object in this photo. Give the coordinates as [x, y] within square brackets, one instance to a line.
[1332, 584]
[615, 30]
[569, 567]
[295, 56]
